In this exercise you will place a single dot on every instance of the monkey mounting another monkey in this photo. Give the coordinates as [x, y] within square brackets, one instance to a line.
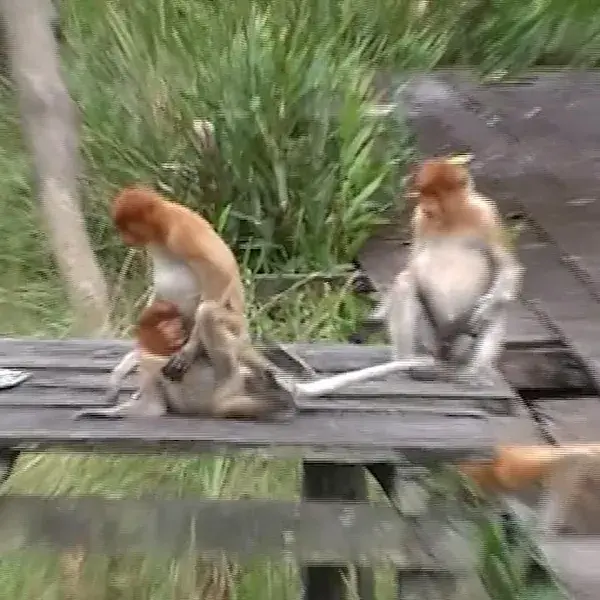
[459, 279]
[227, 377]
[190, 261]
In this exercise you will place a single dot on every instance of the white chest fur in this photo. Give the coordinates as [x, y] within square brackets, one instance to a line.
[175, 281]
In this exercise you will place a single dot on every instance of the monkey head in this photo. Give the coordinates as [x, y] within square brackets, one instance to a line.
[160, 329]
[441, 187]
[136, 212]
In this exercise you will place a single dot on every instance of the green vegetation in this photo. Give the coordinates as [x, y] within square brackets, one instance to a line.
[304, 174]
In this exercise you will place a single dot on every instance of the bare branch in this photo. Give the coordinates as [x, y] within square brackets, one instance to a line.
[50, 127]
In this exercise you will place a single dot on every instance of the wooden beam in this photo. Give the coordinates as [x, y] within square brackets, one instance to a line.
[527, 367]
[317, 532]
[331, 482]
[425, 437]
[84, 363]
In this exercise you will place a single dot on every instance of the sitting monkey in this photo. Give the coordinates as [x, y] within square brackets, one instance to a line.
[458, 282]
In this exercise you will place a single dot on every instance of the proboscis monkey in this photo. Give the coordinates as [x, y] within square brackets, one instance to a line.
[190, 261]
[459, 279]
[562, 471]
[228, 378]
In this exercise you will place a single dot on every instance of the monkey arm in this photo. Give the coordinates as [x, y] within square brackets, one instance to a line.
[503, 289]
[118, 374]
[208, 336]
[509, 271]
[509, 276]
[148, 400]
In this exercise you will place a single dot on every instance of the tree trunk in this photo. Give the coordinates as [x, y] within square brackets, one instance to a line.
[50, 127]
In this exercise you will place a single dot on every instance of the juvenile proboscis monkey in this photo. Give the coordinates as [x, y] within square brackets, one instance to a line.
[190, 261]
[459, 279]
[228, 378]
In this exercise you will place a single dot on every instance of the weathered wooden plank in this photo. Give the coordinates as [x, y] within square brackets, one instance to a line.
[398, 385]
[518, 429]
[389, 400]
[553, 113]
[81, 361]
[92, 349]
[334, 482]
[572, 559]
[546, 367]
[552, 370]
[323, 532]
[419, 438]
[565, 301]
[61, 388]
[570, 420]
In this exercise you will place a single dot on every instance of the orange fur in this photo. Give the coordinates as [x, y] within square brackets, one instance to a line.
[516, 467]
[447, 204]
[145, 218]
[160, 329]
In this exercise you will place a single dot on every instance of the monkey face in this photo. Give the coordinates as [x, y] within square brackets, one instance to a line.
[431, 207]
[161, 329]
[137, 234]
[136, 215]
[440, 187]
[173, 333]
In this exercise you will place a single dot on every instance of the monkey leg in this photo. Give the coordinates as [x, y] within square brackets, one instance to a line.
[244, 407]
[211, 332]
[404, 314]
[177, 366]
[139, 404]
[118, 374]
[479, 368]
[256, 396]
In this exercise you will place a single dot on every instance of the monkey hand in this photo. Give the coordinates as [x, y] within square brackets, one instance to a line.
[482, 313]
[177, 366]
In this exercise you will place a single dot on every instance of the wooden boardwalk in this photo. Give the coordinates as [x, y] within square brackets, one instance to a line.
[378, 420]
[537, 153]
[382, 425]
